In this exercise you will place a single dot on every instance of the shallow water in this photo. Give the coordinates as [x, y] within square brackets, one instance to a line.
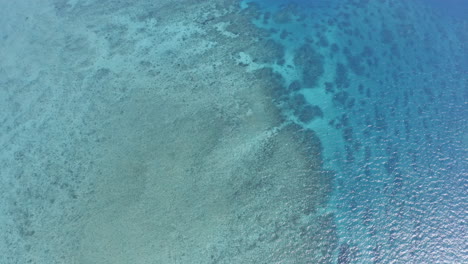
[254, 131]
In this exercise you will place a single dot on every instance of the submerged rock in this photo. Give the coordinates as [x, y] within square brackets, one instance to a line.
[311, 62]
[309, 113]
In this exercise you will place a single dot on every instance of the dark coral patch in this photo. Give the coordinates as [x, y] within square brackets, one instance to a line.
[348, 134]
[298, 101]
[350, 103]
[295, 86]
[311, 63]
[284, 34]
[349, 154]
[286, 14]
[386, 36]
[361, 89]
[367, 52]
[355, 64]
[329, 87]
[334, 48]
[340, 98]
[344, 254]
[323, 41]
[341, 76]
[309, 113]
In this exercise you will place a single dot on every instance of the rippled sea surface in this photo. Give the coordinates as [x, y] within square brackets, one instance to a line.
[387, 82]
[233, 131]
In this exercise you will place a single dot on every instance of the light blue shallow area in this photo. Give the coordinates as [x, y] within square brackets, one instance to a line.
[390, 80]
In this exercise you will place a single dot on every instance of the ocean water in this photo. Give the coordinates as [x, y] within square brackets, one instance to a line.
[384, 85]
[227, 131]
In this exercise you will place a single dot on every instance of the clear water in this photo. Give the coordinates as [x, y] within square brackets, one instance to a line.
[253, 131]
[392, 89]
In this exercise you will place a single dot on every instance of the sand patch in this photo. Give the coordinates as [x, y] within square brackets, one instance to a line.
[177, 154]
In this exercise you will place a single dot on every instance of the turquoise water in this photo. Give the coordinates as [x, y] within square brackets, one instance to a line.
[384, 84]
[227, 131]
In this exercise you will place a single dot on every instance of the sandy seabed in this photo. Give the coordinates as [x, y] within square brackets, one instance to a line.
[133, 132]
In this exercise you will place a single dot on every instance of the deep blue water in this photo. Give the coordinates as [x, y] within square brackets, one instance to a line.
[453, 8]
[389, 80]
